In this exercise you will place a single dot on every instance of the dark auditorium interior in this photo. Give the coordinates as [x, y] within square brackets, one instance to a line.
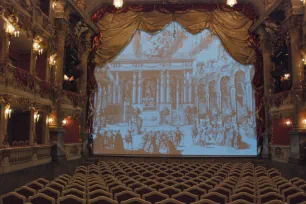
[152, 101]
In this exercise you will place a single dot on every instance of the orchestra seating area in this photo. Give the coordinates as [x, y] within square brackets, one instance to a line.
[163, 183]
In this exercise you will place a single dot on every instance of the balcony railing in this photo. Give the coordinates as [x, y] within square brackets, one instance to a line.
[16, 158]
[21, 79]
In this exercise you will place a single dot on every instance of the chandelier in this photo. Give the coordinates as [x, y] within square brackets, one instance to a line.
[118, 3]
[231, 3]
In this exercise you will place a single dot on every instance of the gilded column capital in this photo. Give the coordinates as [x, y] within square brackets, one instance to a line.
[86, 42]
[293, 23]
[61, 28]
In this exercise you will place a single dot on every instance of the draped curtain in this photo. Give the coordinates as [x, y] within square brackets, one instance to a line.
[231, 26]
[117, 28]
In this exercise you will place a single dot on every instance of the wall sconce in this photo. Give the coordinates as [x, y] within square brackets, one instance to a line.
[7, 111]
[52, 59]
[66, 78]
[64, 122]
[54, 4]
[231, 3]
[36, 116]
[11, 26]
[288, 123]
[37, 45]
[49, 120]
[304, 121]
[286, 76]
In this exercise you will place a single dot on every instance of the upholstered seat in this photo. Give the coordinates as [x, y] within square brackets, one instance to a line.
[185, 197]
[25, 191]
[216, 197]
[12, 198]
[125, 195]
[169, 190]
[155, 197]
[50, 192]
[41, 198]
[70, 199]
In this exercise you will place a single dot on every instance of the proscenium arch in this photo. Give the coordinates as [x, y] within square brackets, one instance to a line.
[94, 5]
[117, 27]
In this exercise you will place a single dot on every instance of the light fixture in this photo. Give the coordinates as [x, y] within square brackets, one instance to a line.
[64, 122]
[304, 2]
[54, 4]
[37, 45]
[288, 123]
[118, 3]
[304, 121]
[36, 116]
[231, 3]
[66, 78]
[52, 59]
[286, 76]
[11, 25]
[49, 120]
[7, 111]
[304, 61]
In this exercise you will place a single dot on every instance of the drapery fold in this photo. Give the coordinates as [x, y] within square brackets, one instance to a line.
[231, 26]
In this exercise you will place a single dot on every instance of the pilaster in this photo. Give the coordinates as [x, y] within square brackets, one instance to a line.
[266, 49]
[3, 126]
[62, 28]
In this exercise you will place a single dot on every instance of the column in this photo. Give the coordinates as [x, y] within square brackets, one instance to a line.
[3, 126]
[33, 138]
[189, 87]
[162, 86]
[56, 130]
[62, 28]
[185, 90]
[109, 93]
[168, 88]
[233, 98]
[298, 135]
[219, 102]
[196, 96]
[33, 61]
[118, 88]
[196, 101]
[177, 93]
[266, 48]
[134, 88]
[139, 87]
[5, 40]
[249, 96]
[157, 91]
[114, 92]
[46, 136]
[86, 47]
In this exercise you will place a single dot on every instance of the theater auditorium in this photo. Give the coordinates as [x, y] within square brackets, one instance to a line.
[152, 101]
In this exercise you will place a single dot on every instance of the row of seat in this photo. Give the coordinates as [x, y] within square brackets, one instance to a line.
[121, 182]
